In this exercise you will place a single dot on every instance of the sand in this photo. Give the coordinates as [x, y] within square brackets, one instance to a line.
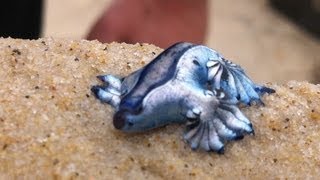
[52, 126]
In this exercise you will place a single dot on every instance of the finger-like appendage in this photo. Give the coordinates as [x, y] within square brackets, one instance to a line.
[194, 136]
[262, 90]
[111, 80]
[228, 123]
[191, 131]
[232, 122]
[215, 142]
[248, 85]
[242, 95]
[236, 112]
[231, 78]
[214, 67]
[204, 142]
[211, 124]
[214, 73]
[204, 136]
[229, 86]
[193, 113]
[105, 96]
[223, 131]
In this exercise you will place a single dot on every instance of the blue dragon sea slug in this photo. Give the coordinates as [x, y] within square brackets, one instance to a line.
[189, 84]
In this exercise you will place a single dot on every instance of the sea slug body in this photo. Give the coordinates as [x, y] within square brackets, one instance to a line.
[188, 84]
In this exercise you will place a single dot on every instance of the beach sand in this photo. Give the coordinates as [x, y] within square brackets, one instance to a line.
[51, 126]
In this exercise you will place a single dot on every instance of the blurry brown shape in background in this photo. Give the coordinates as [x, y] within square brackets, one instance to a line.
[160, 22]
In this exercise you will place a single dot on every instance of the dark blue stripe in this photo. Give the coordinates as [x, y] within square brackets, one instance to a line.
[156, 73]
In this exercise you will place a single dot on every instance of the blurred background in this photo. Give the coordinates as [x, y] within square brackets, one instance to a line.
[274, 40]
